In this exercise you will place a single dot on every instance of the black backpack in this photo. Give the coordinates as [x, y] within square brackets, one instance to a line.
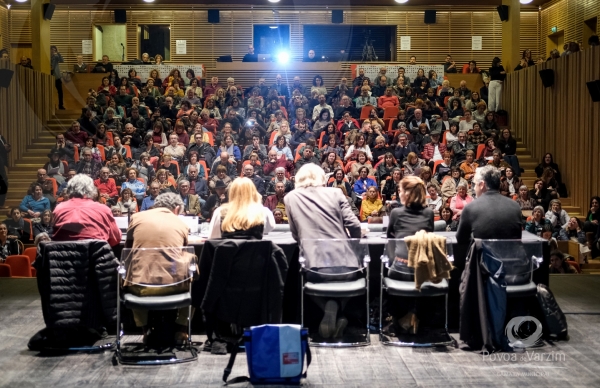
[554, 323]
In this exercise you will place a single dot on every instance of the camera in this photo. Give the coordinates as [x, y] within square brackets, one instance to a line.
[250, 123]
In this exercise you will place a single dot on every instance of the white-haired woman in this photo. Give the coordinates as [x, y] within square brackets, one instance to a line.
[318, 212]
[243, 216]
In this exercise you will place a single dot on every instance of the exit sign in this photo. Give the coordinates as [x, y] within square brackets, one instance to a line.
[554, 29]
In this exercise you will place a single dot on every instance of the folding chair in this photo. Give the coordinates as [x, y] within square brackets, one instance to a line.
[19, 266]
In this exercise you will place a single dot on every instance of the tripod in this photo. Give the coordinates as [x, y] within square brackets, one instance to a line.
[368, 53]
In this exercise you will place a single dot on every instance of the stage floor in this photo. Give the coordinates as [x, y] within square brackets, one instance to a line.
[575, 363]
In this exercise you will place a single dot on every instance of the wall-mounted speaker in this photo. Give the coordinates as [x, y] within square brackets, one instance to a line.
[5, 77]
[213, 16]
[48, 11]
[430, 16]
[120, 16]
[337, 16]
[503, 12]
[547, 76]
[594, 89]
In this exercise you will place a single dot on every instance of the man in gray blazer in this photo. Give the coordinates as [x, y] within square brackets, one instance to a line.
[491, 215]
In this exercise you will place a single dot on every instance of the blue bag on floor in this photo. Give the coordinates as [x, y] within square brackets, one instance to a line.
[275, 355]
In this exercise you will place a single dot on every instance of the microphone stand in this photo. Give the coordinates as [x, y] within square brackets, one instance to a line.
[123, 55]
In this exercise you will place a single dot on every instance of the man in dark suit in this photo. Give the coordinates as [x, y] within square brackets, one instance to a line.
[404, 148]
[491, 215]
[259, 183]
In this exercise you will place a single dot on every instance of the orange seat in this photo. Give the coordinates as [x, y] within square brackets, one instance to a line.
[128, 154]
[284, 111]
[76, 154]
[321, 139]
[365, 111]
[54, 185]
[5, 271]
[444, 141]
[19, 266]
[28, 226]
[390, 112]
[480, 149]
[211, 138]
[298, 156]
[446, 100]
[102, 152]
[177, 164]
[272, 138]
[435, 164]
[109, 139]
[203, 163]
[31, 253]
[349, 166]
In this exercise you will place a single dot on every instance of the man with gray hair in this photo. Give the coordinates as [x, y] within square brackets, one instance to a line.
[159, 227]
[491, 215]
[81, 217]
[88, 165]
[191, 204]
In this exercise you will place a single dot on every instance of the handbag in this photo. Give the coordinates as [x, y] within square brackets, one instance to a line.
[275, 355]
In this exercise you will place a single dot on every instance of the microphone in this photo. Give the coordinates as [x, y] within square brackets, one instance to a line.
[121, 44]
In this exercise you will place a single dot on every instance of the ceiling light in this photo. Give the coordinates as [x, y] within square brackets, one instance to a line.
[401, 1]
[148, 1]
[526, 1]
[274, 1]
[283, 57]
[20, 1]
[273, 27]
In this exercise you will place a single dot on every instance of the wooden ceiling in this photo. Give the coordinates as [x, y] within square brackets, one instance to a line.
[283, 3]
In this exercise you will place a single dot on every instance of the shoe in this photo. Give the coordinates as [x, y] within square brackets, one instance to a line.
[340, 326]
[181, 335]
[145, 334]
[218, 347]
[327, 326]
[207, 346]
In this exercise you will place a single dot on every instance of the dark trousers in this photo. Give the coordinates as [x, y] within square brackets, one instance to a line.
[4, 177]
[59, 90]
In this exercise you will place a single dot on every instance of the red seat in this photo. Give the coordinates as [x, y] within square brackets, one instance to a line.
[390, 112]
[435, 164]
[203, 163]
[54, 185]
[5, 271]
[31, 253]
[177, 164]
[128, 154]
[211, 139]
[365, 111]
[298, 156]
[102, 152]
[76, 154]
[19, 266]
[480, 149]
[272, 138]
[321, 139]
[109, 139]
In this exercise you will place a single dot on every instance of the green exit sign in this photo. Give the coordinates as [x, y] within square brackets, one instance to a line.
[554, 29]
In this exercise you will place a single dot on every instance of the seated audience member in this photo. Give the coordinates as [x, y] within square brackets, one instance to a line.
[541, 195]
[508, 145]
[192, 203]
[404, 148]
[232, 150]
[137, 187]
[386, 165]
[593, 216]
[76, 135]
[559, 265]
[488, 151]
[204, 151]
[149, 200]
[243, 216]
[117, 167]
[413, 165]
[340, 180]
[148, 147]
[523, 199]
[259, 183]
[450, 185]
[327, 214]
[177, 151]
[332, 162]
[447, 216]
[558, 217]
[490, 126]
[472, 68]
[278, 217]
[144, 168]
[434, 150]
[65, 149]
[17, 226]
[282, 148]
[166, 184]
[275, 201]
[363, 181]
[497, 160]
[126, 203]
[391, 185]
[473, 103]
[460, 200]
[55, 167]
[469, 166]
[421, 137]
[365, 98]
[476, 137]
[455, 108]
[442, 170]
[220, 176]
[260, 149]
[307, 157]
[572, 231]
[117, 148]
[224, 161]
[480, 113]
[556, 177]
[141, 234]
[198, 185]
[34, 203]
[537, 223]
[434, 200]
[216, 199]
[8, 244]
[168, 165]
[360, 163]
[107, 189]
[418, 119]
[460, 148]
[510, 183]
[371, 205]
[379, 145]
[452, 135]
[45, 225]
[427, 177]
[48, 192]
[81, 218]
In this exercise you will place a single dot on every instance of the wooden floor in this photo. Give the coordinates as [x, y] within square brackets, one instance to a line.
[373, 366]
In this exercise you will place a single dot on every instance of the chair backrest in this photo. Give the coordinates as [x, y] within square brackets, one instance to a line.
[444, 141]
[364, 112]
[480, 149]
[128, 154]
[435, 164]
[333, 258]
[19, 265]
[31, 253]
[109, 139]
[518, 258]
[102, 152]
[54, 185]
[321, 139]
[211, 138]
[76, 153]
[203, 163]
[5, 271]
[298, 156]
[157, 267]
[397, 249]
[272, 138]
[390, 112]
[28, 225]
[177, 164]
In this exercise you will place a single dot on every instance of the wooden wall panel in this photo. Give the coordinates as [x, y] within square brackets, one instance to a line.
[567, 16]
[26, 107]
[561, 119]
[4, 32]
[430, 43]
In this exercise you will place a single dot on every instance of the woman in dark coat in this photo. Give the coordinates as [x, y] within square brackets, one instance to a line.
[414, 215]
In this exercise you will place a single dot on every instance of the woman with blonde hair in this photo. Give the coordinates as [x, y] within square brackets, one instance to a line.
[243, 216]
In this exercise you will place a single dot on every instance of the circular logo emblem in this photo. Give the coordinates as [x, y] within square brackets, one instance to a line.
[516, 329]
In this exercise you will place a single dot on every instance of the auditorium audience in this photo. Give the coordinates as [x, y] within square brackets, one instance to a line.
[8, 244]
[558, 264]
[557, 216]
[371, 205]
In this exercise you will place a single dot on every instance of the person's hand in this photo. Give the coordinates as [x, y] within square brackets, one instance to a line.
[374, 213]
[30, 212]
[222, 197]
[37, 214]
[293, 179]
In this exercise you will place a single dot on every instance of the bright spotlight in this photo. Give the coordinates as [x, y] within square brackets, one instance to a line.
[526, 1]
[283, 57]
